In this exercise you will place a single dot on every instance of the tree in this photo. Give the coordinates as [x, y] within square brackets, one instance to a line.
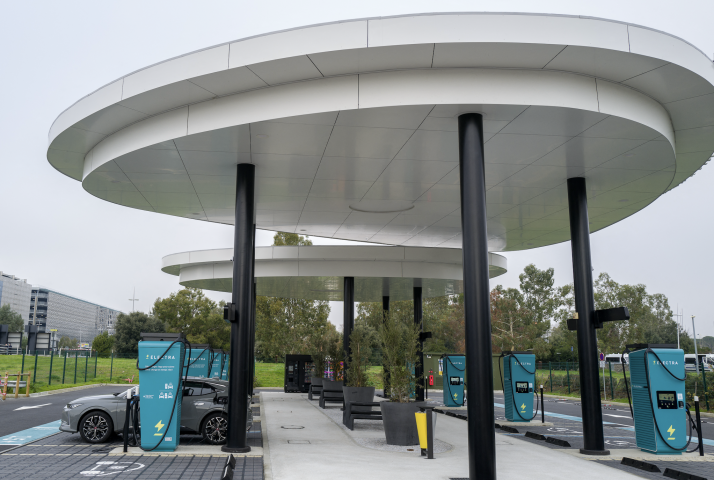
[521, 318]
[283, 238]
[289, 325]
[706, 344]
[67, 342]
[128, 330]
[10, 317]
[103, 344]
[650, 319]
[318, 346]
[190, 312]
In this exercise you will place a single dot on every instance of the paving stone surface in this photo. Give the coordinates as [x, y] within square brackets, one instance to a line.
[65, 456]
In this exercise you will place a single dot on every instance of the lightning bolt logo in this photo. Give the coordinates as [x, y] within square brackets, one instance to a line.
[670, 430]
[158, 427]
[523, 407]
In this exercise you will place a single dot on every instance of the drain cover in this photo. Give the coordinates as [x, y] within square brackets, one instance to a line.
[292, 427]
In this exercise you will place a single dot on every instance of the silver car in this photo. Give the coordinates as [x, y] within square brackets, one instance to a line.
[203, 411]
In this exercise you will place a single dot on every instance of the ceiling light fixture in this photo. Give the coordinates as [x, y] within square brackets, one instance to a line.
[382, 207]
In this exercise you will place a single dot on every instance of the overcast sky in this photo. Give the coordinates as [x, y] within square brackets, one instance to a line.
[55, 234]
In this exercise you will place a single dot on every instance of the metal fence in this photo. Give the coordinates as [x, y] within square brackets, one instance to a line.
[564, 377]
[73, 367]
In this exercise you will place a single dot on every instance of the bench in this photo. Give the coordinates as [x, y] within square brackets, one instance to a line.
[350, 415]
[331, 392]
[314, 389]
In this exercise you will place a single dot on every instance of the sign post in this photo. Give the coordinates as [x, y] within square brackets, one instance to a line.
[602, 365]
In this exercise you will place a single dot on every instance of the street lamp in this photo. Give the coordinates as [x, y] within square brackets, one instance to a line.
[696, 354]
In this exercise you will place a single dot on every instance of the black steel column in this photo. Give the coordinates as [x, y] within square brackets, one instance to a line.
[385, 312]
[348, 320]
[239, 369]
[593, 435]
[481, 430]
[419, 369]
[252, 323]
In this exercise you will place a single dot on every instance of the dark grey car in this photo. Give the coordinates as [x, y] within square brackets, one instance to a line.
[203, 411]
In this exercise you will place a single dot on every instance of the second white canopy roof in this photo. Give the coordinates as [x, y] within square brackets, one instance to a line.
[317, 272]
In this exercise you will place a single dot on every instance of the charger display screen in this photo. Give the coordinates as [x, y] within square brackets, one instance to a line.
[521, 387]
[455, 380]
[667, 400]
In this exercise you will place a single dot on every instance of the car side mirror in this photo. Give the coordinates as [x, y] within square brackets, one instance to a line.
[187, 392]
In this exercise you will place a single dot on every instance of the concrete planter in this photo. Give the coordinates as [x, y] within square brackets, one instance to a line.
[359, 395]
[332, 385]
[400, 423]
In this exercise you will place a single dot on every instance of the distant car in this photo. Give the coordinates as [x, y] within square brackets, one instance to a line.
[705, 363]
[203, 411]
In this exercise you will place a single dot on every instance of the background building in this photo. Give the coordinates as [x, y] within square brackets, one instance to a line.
[15, 292]
[72, 317]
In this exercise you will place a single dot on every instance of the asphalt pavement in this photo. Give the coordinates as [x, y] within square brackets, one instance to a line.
[616, 413]
[23, 413]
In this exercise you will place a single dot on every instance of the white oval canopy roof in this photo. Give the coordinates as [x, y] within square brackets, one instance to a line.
[352, 126]
[317, 272]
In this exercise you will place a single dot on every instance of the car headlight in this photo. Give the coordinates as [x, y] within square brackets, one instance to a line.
[70, 406]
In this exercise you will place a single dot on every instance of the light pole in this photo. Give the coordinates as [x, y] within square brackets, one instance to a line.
[133, 299]
[678, 320]
[696, 354]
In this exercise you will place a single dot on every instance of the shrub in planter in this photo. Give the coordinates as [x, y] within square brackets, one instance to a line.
[357, 390]
[400, 348]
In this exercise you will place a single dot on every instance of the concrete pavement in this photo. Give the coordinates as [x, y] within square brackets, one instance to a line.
[322, 449]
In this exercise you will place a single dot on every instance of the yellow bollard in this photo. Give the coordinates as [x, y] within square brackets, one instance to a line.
[421, 428]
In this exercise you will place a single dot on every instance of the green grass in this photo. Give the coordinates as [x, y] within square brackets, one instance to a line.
[269, 374]
[94, 370]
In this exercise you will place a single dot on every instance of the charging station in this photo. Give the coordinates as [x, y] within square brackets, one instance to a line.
[658, 400]
[224, 369]
[454, 371]
[199, 360]
[518, 380]
[161, 357]
[215, 369]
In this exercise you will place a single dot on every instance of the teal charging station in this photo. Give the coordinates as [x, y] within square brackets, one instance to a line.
[658, 400]
[217, 363]
[454, 373]
[224, 370]
[161, 390]
[198, 361]
[519, 378]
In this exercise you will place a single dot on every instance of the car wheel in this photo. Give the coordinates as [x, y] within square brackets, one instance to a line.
[215, 429]
[96, 427]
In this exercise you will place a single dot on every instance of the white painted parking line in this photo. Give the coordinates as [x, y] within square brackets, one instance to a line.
[35, 406]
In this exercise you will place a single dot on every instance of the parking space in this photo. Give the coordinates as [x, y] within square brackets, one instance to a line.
[66, 457]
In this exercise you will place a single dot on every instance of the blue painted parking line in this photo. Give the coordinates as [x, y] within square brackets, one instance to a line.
[31, 434]
[705, 441]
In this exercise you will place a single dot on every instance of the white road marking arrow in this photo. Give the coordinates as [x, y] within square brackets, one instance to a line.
[28, 408]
